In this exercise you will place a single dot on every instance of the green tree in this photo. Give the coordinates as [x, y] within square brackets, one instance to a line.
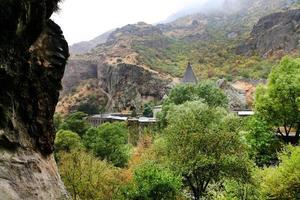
[76, 122]
[263, 143]
[67, 141]
[109, 142]
[211, 94]
[282, 182]
[154, 182]
[278, 102]
[203, 145]
[205, 91]
[86, 177]
[148, 110]
[88, 108]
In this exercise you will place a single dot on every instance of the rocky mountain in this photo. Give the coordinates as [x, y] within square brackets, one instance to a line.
[86, 46]
[274, 34]
[220, 42]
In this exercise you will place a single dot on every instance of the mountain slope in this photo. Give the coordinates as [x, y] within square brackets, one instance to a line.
[159, 53]
[86, 46]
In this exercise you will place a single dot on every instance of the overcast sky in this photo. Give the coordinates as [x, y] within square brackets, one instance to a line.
[83, 20]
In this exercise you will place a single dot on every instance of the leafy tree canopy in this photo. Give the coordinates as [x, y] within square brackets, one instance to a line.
[76, 122]
[148, 110]
[278, 101]
[263, 143]
[152, 181]
[205, 91]
[109, 142]
[203, 145]
[87, 177]
[282, 182]
[67, 141]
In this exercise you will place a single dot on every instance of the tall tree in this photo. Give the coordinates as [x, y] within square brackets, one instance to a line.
[278, 101]
[203, 145]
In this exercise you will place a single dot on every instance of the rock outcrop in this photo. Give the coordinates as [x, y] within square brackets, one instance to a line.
[123, 85]
[33, 54]
[237, 98]
[275, 33]
[131, 85]
[122, 78]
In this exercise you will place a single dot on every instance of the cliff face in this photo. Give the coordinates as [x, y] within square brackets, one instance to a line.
[121, 85]
[33, 55]
[121, 77]
[275, 33]
[130, 85]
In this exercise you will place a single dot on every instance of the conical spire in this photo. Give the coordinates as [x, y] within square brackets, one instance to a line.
[189, 75]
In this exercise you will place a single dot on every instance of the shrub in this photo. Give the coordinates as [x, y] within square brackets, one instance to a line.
[282, 182]
[76, 122]
[152, 181]
[86, 177]
[109, 142]
[67, 141]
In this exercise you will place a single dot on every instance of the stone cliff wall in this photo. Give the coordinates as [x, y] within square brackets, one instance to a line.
[275, 33]
[130, 85]
[124, 85]
[33, 54]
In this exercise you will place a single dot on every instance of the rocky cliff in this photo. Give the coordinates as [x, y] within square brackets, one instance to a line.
[121, 77]
[33, 54]
[277, 33]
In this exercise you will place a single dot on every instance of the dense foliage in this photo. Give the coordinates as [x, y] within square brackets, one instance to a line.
[153, 182]
[88, 178]
[202, 150]
[263, 143]
[278, 102]
[67, 141]
[203, 144]
[109, 142]
[148, 110]
[205, 91]
[75, 122]
[282, 182]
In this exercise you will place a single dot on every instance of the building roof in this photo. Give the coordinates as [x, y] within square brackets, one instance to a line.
[189, 75]
[245, 113]
[147, 120]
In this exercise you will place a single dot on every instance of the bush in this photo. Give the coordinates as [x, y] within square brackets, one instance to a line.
[263, 143]
[86, 177]
[109, 142]
[282, 182]
[152, 182]
[148, 110]
[76, 122]
[67, 141]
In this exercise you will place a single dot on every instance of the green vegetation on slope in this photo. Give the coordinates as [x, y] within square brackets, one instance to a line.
[214, 54]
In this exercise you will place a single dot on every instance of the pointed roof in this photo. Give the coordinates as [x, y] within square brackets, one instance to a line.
[189, 75]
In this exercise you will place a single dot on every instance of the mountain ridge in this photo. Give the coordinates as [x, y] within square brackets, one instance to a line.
[208, 41]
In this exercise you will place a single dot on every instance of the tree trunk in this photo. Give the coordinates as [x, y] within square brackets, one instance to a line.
[33, 55]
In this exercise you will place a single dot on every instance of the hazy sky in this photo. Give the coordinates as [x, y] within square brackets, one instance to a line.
[83, 20]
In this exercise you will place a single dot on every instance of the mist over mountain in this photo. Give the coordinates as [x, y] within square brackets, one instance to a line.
[210, 6]
[224, 39]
